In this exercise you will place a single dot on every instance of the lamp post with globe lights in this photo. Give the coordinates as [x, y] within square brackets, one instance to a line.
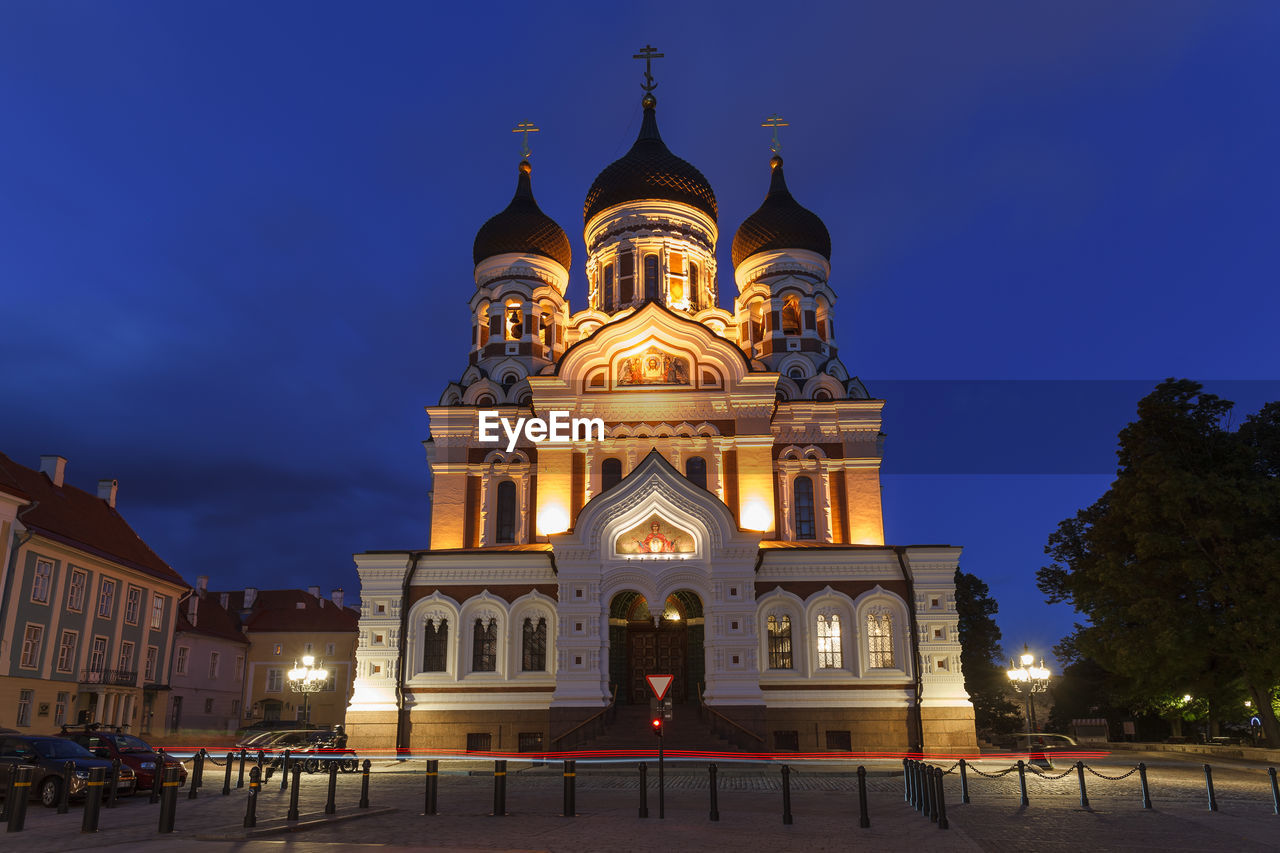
[1028, 679]
[306, 679]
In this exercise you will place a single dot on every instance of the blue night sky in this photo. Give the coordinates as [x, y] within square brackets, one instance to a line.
[236, 239]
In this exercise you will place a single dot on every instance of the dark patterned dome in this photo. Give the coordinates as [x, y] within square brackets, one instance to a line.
[649, 171]
[523, 229]
[780, 223]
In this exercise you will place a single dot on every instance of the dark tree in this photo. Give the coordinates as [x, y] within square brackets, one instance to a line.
[981, 659]
[1177, 565]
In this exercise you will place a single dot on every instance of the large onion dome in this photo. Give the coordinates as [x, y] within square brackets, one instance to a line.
[523, 229]
[780, 223]
[649, 171]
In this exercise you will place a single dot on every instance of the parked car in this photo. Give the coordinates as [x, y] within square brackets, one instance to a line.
[48, 754]
[1040, 746]
[132, 751]
[245, 732]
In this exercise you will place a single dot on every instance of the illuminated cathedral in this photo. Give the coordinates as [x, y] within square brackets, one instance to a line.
[725, 530]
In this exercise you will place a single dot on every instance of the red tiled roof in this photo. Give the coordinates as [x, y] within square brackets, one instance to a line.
[278, 610]
[75, 517]
[211, 619]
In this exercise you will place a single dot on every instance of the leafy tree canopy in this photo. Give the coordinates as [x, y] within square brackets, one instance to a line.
[980, 657]
[1177, 565]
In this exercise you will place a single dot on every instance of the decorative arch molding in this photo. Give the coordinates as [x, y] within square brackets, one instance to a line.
[827, 603]
[485, 607]
[779, 603]
[434, 607]
[532, 605]
[823, 382]
[879, 601]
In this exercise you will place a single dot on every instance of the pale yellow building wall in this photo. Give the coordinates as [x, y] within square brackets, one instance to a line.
[325, 707]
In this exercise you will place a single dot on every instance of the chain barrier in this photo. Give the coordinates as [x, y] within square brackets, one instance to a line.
[1111, 778]
[951, 768]
[208, 756]
[1004, 772]
[1036, 771]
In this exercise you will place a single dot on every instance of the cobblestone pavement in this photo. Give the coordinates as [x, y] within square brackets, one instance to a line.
[824, 805]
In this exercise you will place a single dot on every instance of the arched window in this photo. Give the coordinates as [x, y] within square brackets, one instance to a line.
[693, 287]
[506, 528]
[495, 325]
[675, 279]
[610, 473]
[484, 400]
[780, 642]
[822, 395]
[695, 469]
[757, 321]
[608, 288]
[805, 527]
[484, 646]
[791, 315]
[626, 278]
[435, 646]
[828, 633]
[823, 319]
[650, 277]
[482, 324]
[796, 373]
[533, 645]
[548, 331]
[880, 640]
[515, 322]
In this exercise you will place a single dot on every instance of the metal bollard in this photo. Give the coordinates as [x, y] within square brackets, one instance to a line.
[931, 787]
[864, 820]
[715, 799]
[284, 769]
[64, 793]
[499, 789]
[942, 802]
[786, 795]
[1146, 792]
[331, 805]
[917, 785]
[364, 785]
[644, 790]
[251, 805]
[157, 777]
[113, 784]
[293, 793]
[1208, 784]
[240, 778]
[570, 788]
[906, 781]
[1022, 781]
[171, 779]
[1084, 796]
[93, 799]
[433, 774]
[197, 774]
[964, 783]
[1275, 790]
[19, 794]
[8, 798]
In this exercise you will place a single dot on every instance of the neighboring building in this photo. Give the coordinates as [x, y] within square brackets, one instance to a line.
[282, 626]
[726, 529]
[210, 653]
[87, 609]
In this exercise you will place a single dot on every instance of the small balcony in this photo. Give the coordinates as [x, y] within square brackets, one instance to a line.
[122, 677]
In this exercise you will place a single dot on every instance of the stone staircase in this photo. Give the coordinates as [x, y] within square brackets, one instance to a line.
[630, 730]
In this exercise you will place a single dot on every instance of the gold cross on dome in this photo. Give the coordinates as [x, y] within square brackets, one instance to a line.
[648, 53]
[525, 127]
[775, 121]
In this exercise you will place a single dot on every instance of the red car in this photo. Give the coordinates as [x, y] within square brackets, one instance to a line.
[132, 751]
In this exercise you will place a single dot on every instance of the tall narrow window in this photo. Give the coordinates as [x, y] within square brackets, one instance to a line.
[780, 642]
[32, 639]
[791, 315]
[626, 278]
[157, 612]
[506, 527]
[149, 672]
[25, 698]
[515, 322]
[651, 277]
[805, 527]
[548, 331]
[75, 590]
[41, 582]
[106, 598]
[880, 640]
[495, 325]
[484, 646]
[533, 645]
[675, 278]
[132, 605]
[482, 325]
[435, 646]
[98, 657]
[610, 473]
[60, 709]
[180, 662]
[67, 651]
[829, 651]
[124, 663]
[693, 287]
[695, 469]
[757, 321]
[608, 288]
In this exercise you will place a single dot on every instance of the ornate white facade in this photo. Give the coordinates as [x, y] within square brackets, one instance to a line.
[726, 529]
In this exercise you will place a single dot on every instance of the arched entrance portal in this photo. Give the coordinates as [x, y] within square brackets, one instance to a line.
[642, 643]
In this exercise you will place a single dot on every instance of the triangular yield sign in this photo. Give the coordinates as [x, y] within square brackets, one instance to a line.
[659, 684]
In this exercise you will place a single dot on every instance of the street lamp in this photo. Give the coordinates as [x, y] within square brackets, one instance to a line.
[307, 679]
[1028, 680]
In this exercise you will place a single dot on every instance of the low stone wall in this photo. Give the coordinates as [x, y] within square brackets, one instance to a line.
[1249, 753]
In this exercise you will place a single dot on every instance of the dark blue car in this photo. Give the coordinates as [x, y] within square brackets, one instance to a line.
[48, 755]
